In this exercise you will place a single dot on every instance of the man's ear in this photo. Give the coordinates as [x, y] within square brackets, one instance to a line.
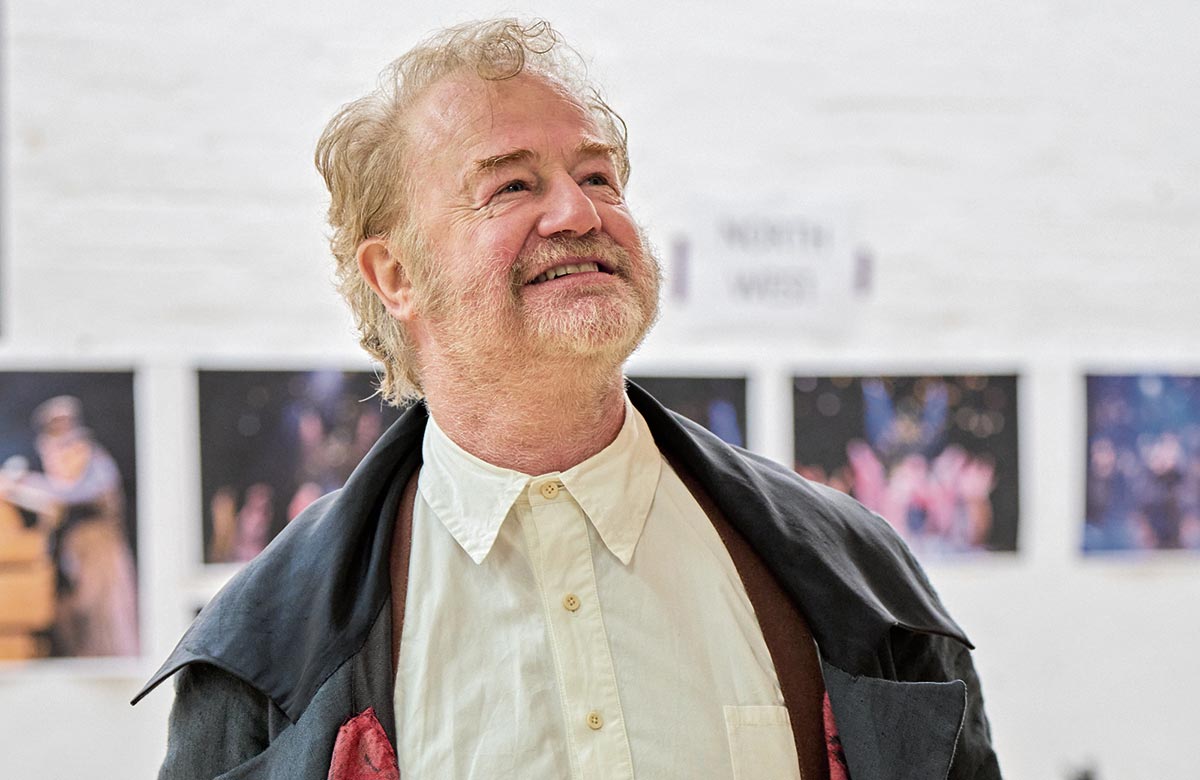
[386, 276]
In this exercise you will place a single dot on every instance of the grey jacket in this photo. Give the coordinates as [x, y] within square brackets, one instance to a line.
[299, 641]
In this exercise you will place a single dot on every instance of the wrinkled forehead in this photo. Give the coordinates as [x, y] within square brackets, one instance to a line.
[464, 110]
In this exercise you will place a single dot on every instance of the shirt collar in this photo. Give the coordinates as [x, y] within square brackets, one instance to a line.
[615, 488]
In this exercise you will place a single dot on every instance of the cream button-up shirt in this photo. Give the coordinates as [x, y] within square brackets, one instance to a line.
[579, 624]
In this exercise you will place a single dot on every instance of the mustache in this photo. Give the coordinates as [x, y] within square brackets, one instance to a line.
[556, 249]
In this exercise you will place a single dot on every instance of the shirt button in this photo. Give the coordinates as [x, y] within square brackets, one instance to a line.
[549, 489]
[571, 602]
[594, 720]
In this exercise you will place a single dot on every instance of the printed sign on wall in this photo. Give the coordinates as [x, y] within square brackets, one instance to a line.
[746, 269]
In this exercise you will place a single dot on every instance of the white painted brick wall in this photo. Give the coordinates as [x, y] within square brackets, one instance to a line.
[1026, 173]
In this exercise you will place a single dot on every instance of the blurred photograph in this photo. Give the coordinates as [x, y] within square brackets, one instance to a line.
[935, 456]
[1143, 463]
[717, 403]
[271, 443]
[68, 526]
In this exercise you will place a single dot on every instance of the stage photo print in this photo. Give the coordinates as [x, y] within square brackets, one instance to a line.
[1143, 463]
[717, 403]
[68, 525]
[271, 443]
[936, 456]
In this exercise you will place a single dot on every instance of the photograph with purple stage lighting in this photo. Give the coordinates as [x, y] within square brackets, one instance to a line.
[1143, 463]
[935, 456]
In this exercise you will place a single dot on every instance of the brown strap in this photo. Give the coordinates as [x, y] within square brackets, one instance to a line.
[398, 564]
[788, 639]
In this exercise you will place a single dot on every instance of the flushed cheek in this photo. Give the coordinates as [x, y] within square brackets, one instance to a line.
[483, 252]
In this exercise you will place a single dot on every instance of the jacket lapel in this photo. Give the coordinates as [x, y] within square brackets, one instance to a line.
[348, 729]
[295, 614]
[896, 730]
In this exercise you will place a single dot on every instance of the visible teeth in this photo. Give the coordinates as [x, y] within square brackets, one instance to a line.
[563, 270]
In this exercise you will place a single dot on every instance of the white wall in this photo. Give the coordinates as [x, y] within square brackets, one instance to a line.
[1026, 174]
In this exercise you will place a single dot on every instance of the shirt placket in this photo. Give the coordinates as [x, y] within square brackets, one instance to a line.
[593, 720]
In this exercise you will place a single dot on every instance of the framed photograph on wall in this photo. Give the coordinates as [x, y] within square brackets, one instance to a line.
[717, 403]
[68, 515]
[1143, 463]
[935, 456]
[272, 442]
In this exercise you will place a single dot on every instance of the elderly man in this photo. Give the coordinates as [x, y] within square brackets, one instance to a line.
[538, 572]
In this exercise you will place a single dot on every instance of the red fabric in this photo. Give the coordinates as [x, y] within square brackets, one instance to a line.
[833, 744]
[362, 751]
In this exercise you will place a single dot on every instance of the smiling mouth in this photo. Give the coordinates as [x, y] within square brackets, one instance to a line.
[565, 270]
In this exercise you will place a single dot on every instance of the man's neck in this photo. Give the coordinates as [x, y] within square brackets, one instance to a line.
[534, 427]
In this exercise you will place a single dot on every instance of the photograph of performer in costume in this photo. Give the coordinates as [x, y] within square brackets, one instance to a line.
[271, 443]
[70, 494]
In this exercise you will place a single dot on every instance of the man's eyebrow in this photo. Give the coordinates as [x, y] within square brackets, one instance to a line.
[587, 148]
[499, 160]
[486, 165]
[592, 148]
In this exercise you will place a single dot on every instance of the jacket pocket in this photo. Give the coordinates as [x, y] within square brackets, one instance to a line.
[761, 743]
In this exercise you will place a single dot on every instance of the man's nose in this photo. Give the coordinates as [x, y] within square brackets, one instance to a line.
[567, 209]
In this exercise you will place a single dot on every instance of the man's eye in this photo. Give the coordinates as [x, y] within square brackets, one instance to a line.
[513, 186]
[596, 180]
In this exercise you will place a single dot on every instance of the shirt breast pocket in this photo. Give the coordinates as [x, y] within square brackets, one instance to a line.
[761, 743]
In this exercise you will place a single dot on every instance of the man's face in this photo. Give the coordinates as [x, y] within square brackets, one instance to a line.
[526, 247]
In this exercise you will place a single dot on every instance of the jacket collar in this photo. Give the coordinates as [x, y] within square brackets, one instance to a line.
[297, 612]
